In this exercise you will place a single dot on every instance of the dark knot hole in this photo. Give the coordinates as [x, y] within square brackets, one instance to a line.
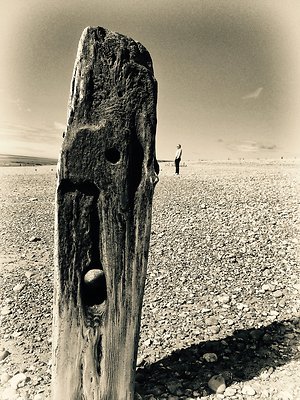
[94, 287]
[112, 155]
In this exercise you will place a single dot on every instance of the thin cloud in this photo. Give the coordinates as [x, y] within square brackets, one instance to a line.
[253, 95]
[248, 146]
[268, 146]
[27, 133]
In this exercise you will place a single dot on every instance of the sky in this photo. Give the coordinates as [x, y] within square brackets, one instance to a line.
[228, 72]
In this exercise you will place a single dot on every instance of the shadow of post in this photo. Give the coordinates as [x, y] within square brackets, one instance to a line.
[240, 357]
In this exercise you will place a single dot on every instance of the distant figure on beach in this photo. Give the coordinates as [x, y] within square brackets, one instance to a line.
[178, 158]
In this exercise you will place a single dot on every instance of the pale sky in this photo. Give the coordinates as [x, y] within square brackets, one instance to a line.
[228, 72]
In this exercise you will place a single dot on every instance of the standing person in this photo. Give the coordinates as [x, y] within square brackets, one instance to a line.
[178, 158]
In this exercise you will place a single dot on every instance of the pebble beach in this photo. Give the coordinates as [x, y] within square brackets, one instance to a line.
[221, 311]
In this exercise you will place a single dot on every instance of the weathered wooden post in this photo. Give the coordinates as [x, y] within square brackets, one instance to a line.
[106, 178]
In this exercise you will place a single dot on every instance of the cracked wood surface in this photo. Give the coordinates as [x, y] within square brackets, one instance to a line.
[106, 178]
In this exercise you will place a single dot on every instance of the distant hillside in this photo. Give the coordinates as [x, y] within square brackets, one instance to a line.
[10, 160]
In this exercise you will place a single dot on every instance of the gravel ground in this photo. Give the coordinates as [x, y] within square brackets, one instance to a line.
[221, 307]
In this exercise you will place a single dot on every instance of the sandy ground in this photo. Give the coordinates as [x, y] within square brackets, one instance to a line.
[223, 278]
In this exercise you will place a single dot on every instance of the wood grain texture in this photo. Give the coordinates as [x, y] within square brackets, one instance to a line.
[106, 178]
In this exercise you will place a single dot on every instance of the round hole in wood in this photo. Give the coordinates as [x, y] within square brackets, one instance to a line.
[112, 155]
[94, 287]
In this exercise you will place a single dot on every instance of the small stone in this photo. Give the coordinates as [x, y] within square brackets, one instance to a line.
[140, 361]
[257, 334]
[5, 310]
[224, 299]
[9, 393]
[210, 357]
[4, 354]
[297, 286]
[33, 199]
[173, 387]
[38, 396]
[290, 336]
[217, 384]
[34, 239]
[215, 329]
[282, 303]
[156, 391]
[277, 294]
[16, 334]
[229, 391]
[92, 276]
[18, 287]
[5, 377]
[17, 380]
[179, 392]
[147, 342]
[248, 390]
[211, 321]
[265, 393]
[266, 373]
[28, 274]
